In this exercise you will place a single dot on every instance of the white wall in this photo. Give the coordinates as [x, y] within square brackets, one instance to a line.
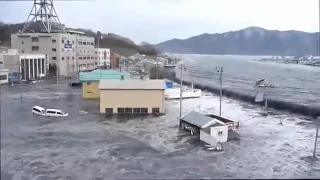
[4, 72]
[101, 58]
[207, 138]
[215, 133]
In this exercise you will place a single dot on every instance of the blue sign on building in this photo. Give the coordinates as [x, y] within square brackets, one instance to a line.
[68, 46]
[13, 77]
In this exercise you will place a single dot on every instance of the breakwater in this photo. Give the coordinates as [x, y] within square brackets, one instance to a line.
[275, 104]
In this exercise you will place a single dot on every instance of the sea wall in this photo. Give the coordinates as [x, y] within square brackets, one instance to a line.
[275, 104]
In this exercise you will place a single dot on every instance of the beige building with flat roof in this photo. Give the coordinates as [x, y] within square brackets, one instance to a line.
[68, 51]
[132, 96]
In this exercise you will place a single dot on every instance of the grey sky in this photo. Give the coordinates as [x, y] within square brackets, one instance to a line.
[155, 21]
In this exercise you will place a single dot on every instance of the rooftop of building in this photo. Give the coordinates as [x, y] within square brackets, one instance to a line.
[198, 119]
[97, 75]
[132, 84]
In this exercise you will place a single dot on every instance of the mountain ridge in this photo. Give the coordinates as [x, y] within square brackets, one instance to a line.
[252, 40]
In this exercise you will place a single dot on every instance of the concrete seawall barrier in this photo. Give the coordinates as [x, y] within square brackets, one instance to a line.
[275, 104]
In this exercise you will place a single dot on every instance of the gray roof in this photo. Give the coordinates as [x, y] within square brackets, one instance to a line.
[132, 84]
[208, 129]
[197, 119]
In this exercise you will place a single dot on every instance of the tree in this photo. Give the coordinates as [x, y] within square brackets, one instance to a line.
[148, 50]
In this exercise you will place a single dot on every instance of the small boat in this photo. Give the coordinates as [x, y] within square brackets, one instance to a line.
[261, 83]
[174, 93]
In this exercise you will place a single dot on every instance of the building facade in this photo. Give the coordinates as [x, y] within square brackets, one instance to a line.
[66, 50]
[33, 66]
[3, 76]
[114, 60]
[90, 81]
[86, 53]
[132, 96]
[103, 56]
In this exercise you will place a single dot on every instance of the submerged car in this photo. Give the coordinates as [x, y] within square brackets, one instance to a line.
[49, 112]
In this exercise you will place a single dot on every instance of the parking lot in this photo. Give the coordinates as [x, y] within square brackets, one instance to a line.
[92, 146]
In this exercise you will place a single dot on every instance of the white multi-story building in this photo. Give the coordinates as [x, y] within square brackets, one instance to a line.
[33, 66]
[69, 51]
[103, 56]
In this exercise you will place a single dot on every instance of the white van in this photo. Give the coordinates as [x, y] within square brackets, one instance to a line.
[56, 113]
[38, 110]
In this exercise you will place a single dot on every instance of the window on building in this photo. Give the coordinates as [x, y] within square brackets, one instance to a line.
[22, 42]
[68, 42]
[68, 58]
[155, 110]
[80, 50]
[84, 58]
[80, 58]
[54, 49]
[144, 110]
[54, 58]
[35, 48]
[3, 77]
[88, 57]
[91, 43]
[128, 110]
[88, 51]
[62, 58]
[72, 58]
[84, 43]
[96, 63]
[72, 42]
[62, 41]
[120, 110]
[54, 41]
[22, 51]
[109, 110]
[136, 110]
[92, 57]
[35, 39]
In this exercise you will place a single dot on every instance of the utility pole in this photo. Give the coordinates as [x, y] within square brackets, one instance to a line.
[20, 76]
[316, 138]
[315, 142]
[181, 70]
[57, 74]
[220, 71]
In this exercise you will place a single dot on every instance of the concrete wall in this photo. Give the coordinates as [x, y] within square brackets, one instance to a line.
[10, 62]
[205, 137]
[132, 99]
[90, 90]
[215, 133]
[3, 76]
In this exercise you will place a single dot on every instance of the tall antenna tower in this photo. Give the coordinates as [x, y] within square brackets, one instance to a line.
[43, 12]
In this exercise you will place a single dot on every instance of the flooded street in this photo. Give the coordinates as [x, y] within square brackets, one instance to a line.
[94, 147]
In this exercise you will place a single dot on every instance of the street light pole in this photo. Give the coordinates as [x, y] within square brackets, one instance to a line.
[220, 71]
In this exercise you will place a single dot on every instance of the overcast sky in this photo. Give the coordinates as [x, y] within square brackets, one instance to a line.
[155, 21]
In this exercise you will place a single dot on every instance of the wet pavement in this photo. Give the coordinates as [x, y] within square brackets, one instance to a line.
[94, 147]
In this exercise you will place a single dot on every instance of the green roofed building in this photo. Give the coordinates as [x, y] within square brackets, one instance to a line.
[90, 81]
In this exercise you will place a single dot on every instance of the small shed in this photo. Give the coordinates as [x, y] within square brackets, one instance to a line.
[215, 133]
[197, 120]
[90, 81]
